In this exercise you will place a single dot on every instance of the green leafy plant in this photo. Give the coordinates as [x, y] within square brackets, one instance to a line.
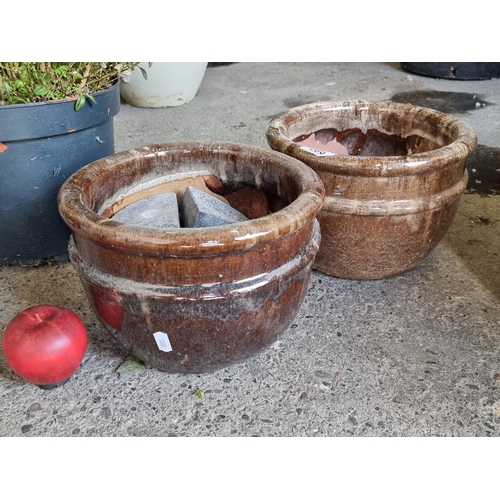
[27, 82]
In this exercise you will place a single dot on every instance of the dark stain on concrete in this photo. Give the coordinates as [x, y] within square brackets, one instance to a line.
[447, 102]
[483, 166]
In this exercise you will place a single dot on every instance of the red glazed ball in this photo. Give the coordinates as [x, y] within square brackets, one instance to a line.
[45, 344]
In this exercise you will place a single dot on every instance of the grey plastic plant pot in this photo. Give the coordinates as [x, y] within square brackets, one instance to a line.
[41, 145]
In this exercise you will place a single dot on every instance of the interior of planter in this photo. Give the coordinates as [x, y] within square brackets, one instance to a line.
[158, 170]
[370, 130]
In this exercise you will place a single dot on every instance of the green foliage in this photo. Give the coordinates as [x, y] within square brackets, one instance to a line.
[131, 366]
[25, 82]
[198, 393]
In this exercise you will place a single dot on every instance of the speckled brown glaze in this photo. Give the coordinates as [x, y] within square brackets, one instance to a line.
[222, 293]
[382, 215]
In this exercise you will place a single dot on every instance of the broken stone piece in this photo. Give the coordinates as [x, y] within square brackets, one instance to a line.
[159, 211]
[249, 201]
[200, 209]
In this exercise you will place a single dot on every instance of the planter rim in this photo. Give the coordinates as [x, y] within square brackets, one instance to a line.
[35, 120]
[402, 165]
[55, 101]
[188, 241]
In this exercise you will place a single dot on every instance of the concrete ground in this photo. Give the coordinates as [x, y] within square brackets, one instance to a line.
[415, 355]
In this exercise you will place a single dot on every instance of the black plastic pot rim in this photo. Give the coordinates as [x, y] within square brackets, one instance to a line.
[37, 120]
[55, 101]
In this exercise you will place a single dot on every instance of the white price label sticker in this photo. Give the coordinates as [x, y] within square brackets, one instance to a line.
[162, 341]
[317, 152]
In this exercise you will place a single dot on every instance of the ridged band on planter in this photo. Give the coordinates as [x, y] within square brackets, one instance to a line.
[41, 145]
[221, 293]
[382, 215]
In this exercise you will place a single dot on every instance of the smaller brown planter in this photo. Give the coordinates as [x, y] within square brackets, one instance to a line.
[390, 201]
[194, 300]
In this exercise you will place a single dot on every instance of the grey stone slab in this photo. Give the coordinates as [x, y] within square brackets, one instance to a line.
[200, 209]
[160, 211]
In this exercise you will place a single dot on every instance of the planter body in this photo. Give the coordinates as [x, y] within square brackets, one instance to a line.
[382, 215]
[168, 84]
[41, 145]
[220, 294]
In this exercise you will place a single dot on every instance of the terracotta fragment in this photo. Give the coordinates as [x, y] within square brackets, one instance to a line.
[249, 201]
[324, 143]
[178, 186]
[215, 185]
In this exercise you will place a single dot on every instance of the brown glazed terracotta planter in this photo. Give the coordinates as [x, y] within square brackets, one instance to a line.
[214, 296]
[384, 212]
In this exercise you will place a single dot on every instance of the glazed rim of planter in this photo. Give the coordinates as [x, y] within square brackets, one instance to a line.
[89, 192]
[404, 120]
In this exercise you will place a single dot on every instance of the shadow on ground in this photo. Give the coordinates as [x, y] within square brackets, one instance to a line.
[474, 237]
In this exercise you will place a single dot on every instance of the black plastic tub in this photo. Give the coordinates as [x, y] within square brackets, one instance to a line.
[455, 70]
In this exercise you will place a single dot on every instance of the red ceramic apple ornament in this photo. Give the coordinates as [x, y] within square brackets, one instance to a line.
[45, 344]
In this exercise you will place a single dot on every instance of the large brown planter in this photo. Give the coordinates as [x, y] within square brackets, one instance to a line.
[220, 294]
[386, 211]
